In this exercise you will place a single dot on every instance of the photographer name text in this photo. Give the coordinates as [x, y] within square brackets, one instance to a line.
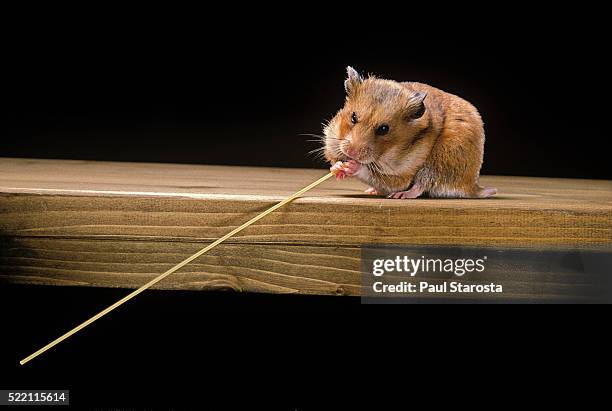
[406, 287]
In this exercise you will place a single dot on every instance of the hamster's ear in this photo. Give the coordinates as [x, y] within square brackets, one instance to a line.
[416, 105]
[353, 79]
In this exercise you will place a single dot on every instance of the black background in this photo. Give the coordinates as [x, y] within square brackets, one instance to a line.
[239, 87]
[207, 89]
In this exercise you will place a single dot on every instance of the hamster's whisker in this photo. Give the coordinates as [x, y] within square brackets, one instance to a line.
[375, 173]
[379, 173]
[311, 135]
[388, 171]
[318, 153]
[385, 166]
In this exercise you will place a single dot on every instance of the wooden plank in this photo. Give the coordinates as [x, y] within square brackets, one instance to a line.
[269, 268]
[120, 224]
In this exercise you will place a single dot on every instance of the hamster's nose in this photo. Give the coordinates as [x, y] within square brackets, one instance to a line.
[352, 152]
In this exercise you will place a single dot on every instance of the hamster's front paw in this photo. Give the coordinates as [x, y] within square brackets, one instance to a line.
[346, 169]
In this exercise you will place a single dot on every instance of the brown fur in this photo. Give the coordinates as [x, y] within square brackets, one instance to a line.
[439, 153]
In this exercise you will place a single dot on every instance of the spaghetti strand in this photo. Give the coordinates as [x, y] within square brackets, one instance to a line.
[173, 269]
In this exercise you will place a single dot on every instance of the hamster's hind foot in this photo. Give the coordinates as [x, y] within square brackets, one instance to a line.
[414, 192]
[486, 192]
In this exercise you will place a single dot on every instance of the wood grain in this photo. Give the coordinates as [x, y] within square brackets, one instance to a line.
[120, 224]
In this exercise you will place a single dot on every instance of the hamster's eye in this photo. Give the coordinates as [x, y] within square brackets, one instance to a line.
[354, 118]
[382, 130]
